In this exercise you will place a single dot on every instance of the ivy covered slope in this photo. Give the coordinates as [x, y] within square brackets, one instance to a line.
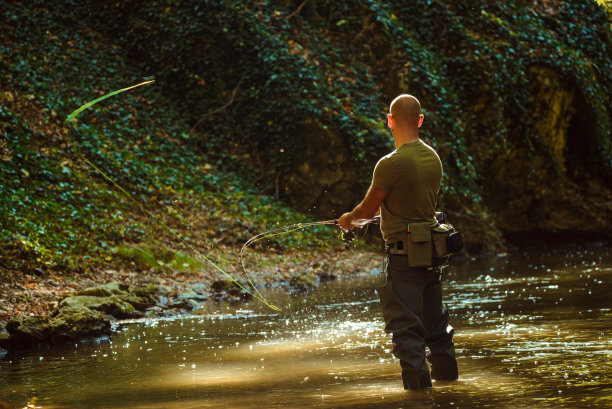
[261, 103]
[58, 213]
[517, 97]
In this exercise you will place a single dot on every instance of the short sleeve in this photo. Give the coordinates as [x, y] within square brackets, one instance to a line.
[383, 174]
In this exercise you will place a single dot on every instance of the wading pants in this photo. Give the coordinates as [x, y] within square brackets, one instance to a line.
[415, 316]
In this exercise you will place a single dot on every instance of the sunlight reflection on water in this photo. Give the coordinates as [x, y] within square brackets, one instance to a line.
[531, 331]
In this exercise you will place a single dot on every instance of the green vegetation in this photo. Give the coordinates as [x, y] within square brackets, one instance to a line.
[249, 93]
[146, 257]
[58, 211]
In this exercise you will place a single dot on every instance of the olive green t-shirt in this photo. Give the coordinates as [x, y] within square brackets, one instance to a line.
[411, 176]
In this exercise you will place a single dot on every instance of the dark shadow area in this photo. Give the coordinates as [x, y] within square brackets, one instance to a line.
[581, 150]
[543, 239]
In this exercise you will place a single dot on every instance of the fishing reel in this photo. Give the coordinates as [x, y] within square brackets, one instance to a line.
[347, 236]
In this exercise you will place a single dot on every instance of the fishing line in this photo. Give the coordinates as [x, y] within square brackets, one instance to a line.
[273, 233]
[72, 117]
[347, 236]
[270, 233]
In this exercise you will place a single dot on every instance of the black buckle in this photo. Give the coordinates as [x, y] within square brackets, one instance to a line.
[398, 244]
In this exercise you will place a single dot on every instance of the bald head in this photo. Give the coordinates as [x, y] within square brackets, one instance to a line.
[406, 110]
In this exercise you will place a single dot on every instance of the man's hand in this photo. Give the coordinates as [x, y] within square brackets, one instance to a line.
[345, 222]
[365, 210]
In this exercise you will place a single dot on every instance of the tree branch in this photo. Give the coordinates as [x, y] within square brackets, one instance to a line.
[221, 108]
[298, 9]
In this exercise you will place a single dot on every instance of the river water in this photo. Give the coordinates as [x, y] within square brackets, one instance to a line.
[532, 330]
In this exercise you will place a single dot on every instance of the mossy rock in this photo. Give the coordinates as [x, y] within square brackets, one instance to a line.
[27, 331]
[306, 282]
[82, 314]
[118, 293]
[149, 293]
[228, 289]
[104, 290]
[69, 325]
[116, 306]
[77, 324]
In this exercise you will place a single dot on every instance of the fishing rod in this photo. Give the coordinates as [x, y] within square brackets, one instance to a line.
[347, 236]
[273, 233]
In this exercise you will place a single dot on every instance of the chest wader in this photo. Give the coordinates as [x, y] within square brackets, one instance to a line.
[412, 307]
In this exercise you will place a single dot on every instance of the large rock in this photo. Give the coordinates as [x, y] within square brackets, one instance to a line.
[27, 331]
[82, 314]
[304, 283]
[76, 324]
[117, 293]
[104, 290]
[67, 326]
[114, 306]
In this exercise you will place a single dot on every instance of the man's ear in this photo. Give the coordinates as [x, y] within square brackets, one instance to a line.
[421, 117]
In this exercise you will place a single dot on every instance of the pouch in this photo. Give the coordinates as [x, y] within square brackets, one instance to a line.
[418, 245]
[446, 240]
[454, 242]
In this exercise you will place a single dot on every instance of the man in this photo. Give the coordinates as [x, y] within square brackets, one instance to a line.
[404, 190]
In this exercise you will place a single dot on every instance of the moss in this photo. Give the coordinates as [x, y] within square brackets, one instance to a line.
[28, 330]
[103, 290]
[76, 324]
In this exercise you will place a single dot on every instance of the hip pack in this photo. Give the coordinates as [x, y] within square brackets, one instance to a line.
[423, 244]
[446, 240]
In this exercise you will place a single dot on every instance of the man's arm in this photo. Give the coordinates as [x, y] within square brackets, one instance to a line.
[364, 211]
